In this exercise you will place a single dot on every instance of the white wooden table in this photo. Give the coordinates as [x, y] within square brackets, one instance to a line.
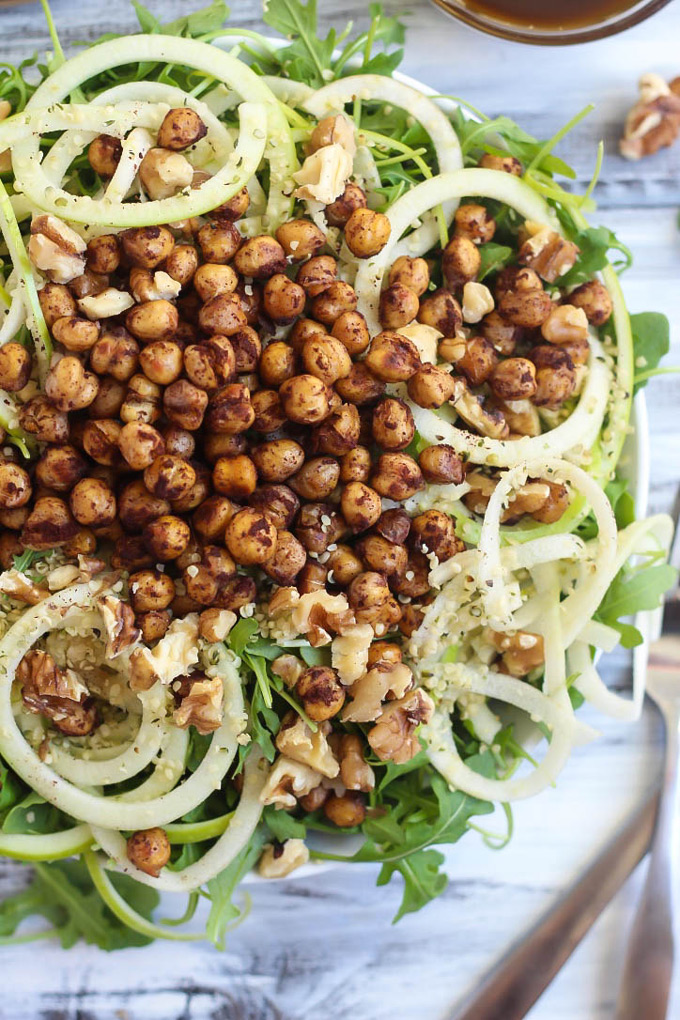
[325, 947]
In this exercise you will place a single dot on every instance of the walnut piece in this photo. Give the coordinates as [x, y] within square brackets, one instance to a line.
[289, 668]
[317, 613]
[119, 622]
[385, 679]
[477, 302]
[654, 122]
[15, 584]
[163, 288]
[349, 652]
[393, 738]
[287, 781]
[324, 174]
[56, 693]
[547, 252]
[488, 421]
[55, 249]
[296, 741]
[106, 304]
[279, 859]
[202, 706]
[174, 655]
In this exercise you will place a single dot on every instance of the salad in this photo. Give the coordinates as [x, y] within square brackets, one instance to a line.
[314, 516]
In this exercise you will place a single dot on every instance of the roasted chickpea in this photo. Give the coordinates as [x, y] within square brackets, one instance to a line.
[219, 241]
[277, 502]
[347, 811]
[69, 386]
[431, 386]
[339, 433]
[283, 299]
[169, 477]
[398, 306]
[140, 444]
[10, 546]
[326, 358]
[516, 279]
[278, 459]
[316, 479]
[344, 565]
[361, 386]
[15, 486]
[49, 523]
[211, 280]
[167, 537]
[162, 361]
[223, 315]
[305, 399]
[367, 232]
[478, 362]
[103, 254]
[392, 357]
[300, 239]
[210, 363]
[333, 302]
[234, 208]
[278, 362]
[185, 404]
[235, 477]
[142, 401]
[312, 577]
[76, 334]
[355, 465]
[414, 582]
[317, 275]
[247, 348]
[288, 560]
[131, 554]
[361, 506]
[321, 692]
[411, 619]
[93, 503]
[555, 375]
[137, 506]
[43, 420]
[339, 211]
[115, 353]
[181, 128]
[149, 850]
[147, 247]
[104, 154]
[396, 476]
[474, 222]
[216, 445]
[251, 537]
[151, 590]
[352, 331]
[210, 519]
[435, 532]
[269, 415]
[318, 525]
[367, 590]
[393, 425]
[100, 440]
[56, 302]
[441, 465]
[566, 324]
[380, 554]
[260, 257]
[593, 297]
[412, 273]
[153, 625]
[14, 518]
[394, 525]
[461, 261]
[507, 164]
[230, 409]
[88, 284]
[199, 491]
[441, 311]
[152, 320]
[109, 400]
[501, 334]
[514, 379]
[526, 308]
[59, 468]
[15, 366]
[182, 263]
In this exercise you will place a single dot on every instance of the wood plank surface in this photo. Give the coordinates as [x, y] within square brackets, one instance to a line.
[323, 946]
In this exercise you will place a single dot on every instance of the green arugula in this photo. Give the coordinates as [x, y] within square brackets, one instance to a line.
[633, 590]
[494, 257]
[10, 788]
[282, 825]
[224, 913]
[594, 245]
[651, 342]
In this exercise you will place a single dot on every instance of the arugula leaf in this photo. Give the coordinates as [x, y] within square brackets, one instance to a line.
[10, 787]
[594, 244]
[651, 341]
[240, 635]
[423, 879]
[631, 591]
[494, 257]
[224, 913]
[33, 815]
[282, 825]
[27, 558]
[202, 22]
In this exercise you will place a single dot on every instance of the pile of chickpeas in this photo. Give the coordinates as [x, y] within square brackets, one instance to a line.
[232, 430]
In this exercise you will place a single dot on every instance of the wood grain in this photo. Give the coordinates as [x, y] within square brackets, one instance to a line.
[324, 946]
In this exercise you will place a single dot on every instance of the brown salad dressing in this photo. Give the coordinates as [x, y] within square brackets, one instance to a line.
[550, 14]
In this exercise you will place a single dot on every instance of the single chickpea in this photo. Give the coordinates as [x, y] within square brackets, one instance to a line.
[151, 590]
[334, 300]
[230, 409]
[220, 444]
[506, 164]
[115, 353]
[305, 399]
[161, 361]
[288, 560]
[398, 306]
[219, 241]
[367, 590]
[147, 247]
[278, 503]
[14, 518]
[234, 208]
[461, 261]
[396, 476]
[355, 465]
[181, 128]
[414, 582]
[344, 565]
[300, 239]
[100, 441]
[317, 275]
[167, 537]
[41, 419]
[441, 465]
[392, 357]
[302, 331]
[269, 415]
[361, 506]
[319, 525]
[199, 491]
[15, 366]
[516, 279]
[140, 444]
[169, 477]
[278, 362]
[60, 467]
[565, 324]
[326, 358]
[152, 320]
[260, 257]
[361, 386]
[15, 486]
[235, 477]
[278, 459]
[103, 254]
[593, 297]
[251, 537]
[210, 363]
[149, 850]
[316, 479]
[380, 554]
[76, 334]
[394, 525]
[182, 263]
[412, 273]
[247, 348]
[474, 222]
[339, 212]
[352, 331]
[69, 386]
[223, 315]
[321, 692]
[514, 379]
[153, 625]
[283, 299]
[431, 386]
[56, 302]
[339, 432]
[313, 577]
[384, 651]
[48, 525]
[478, 362]
[211, 279]
[502, 335]
[555, 505]
[92, 503]
[392, 424]
[142, 401]
[185, 404]
[441, 311]
[88, 284]
[435, 532]
[210, 519]
[367, 232]
[136, 506]
[104, 154]
[526, 308]
[555, 375]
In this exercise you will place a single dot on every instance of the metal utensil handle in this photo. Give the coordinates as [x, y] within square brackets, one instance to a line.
[510, 990]
[648, 969]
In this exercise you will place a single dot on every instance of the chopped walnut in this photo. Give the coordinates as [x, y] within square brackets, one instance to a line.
[355, 772]
[521, 651]
[426, 338]
[62, 577]
[119, 622]
[547, 252]
[289, 668]
[215, 624]
[654, 121]
[296, 740]
[488, 421]
[324, 174]
[88, 566]
[174, 655]
[106, 304]
[385, 679]
[287, 781]
[279, 859]
[393, 738]
[162, 288]
[477, 301]
[55, 249]
[317, 613]
[56, 693]
[349, 652]
[15, 584]
[202, 706]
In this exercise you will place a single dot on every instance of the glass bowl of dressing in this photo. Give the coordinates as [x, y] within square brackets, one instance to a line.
[551, 22]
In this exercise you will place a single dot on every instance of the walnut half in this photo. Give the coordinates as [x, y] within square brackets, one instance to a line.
[654, 121]
[56, 693]
[119, 621]
[393, 738]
